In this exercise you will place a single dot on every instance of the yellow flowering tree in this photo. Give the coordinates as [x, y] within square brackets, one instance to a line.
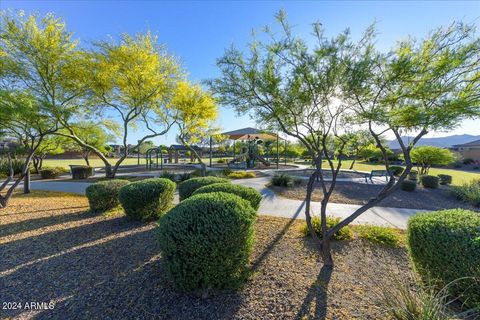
[132, 81]
[195, 113]
[40, 73]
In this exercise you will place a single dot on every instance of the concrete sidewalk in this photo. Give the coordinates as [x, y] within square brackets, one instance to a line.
[289, 208]
[273, 205]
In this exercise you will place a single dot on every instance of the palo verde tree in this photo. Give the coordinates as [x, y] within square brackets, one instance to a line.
[133, 81]
[22, 117]
[357, 143]
[195, 111]
[313, 94]
[44, 66]
[427, 156]
[93, 136]
[286, 86]
[420, 86]
[51, 145]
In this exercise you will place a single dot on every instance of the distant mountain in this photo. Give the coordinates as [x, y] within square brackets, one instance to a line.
[444, 142]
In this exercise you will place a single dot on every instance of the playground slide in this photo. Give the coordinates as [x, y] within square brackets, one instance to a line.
[239, 157]
[261, 159]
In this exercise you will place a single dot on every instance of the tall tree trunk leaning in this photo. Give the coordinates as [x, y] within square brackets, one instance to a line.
[353, 163]
[86, 155]
[74, 137]
[5, 199]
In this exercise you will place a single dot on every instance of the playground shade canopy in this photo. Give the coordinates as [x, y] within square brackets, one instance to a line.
[250, 133]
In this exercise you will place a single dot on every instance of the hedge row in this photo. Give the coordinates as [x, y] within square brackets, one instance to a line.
[445, 246]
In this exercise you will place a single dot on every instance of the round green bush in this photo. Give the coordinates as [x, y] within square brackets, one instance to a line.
[103, 195]
[147, 199]
[206, 241]
[246, 193]
[82, 172]
[445, 246]
[51, 173]
[445, 179]
[188, 187]
[281, 180]
[412, 175]
[397, 170]
[408, 185]
[430, 181]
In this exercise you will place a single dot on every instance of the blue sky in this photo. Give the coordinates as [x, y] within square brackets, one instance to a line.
[198, 32]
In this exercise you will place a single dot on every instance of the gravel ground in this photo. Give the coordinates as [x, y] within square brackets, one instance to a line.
[359, 193]
[107, 267]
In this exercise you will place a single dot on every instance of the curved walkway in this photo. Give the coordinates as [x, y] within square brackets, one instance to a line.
[274, 205]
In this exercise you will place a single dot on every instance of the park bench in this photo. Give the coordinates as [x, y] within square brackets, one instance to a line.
[376, 173]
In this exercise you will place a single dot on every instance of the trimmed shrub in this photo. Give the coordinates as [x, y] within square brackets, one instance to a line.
[469, 192]
[246, 193]
[17, 165]
[82, 172]
[445, 179]
[413, 175]
[408, 185]
[168, 175]
[397, 170]
[221, 161]
[468, 161]
[188, 187]
[103, 195]
[281, 180]
[226, 171]
[52, 173]
[242, 175]
[345, 233]
[430, 181]
[206, 241]
[147, 199]
[383, 235]
[445, 246]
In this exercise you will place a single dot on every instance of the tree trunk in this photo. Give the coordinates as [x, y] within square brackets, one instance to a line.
[26, 183]
[36, 164]
[40, 163]
[85, 157]
[353, 163]
[327, 252]
[108, 166]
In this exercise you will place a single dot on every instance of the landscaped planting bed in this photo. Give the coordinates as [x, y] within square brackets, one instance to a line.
[360, 193]
[107, 266]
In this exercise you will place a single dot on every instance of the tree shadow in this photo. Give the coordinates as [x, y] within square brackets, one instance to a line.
[258, 261]
[37, 223]
[121, 278]
[40, 246]
[42, 210]
[317, 297]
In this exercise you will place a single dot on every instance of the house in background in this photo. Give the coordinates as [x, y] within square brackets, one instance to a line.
[469, 150]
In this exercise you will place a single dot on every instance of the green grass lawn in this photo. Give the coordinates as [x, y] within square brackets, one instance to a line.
[96, 162]
[93, 162]
[459, 176]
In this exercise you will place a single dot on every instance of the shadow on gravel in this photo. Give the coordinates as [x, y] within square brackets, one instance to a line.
[32, 224]
[117, 279]
[316, 297]
[22, 251]
[258, 261]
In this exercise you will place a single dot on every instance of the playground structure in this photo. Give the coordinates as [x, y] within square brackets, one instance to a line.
[249, 155]
[247, 158]
[175, 152]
